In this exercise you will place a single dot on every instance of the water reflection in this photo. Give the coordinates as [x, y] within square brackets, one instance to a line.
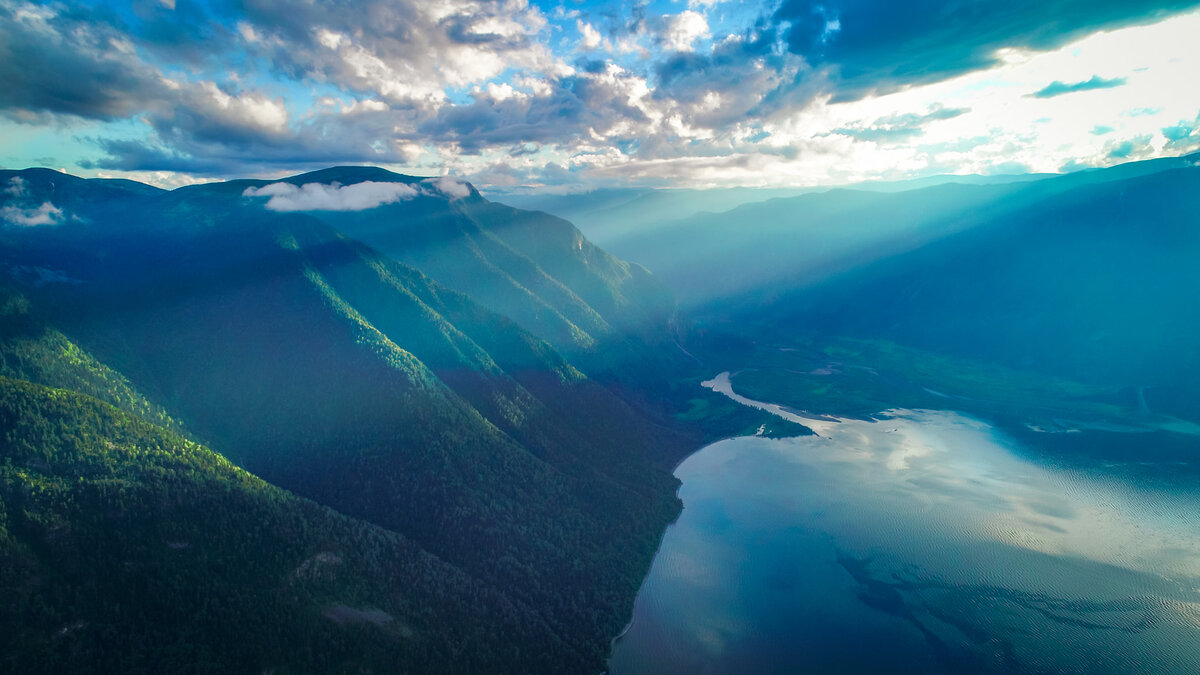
[917, 543]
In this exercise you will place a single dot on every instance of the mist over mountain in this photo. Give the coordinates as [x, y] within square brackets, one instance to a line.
[1022, 272]
[1093, 282]
[617, 218]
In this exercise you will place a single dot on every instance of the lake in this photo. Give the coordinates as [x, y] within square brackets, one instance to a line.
[922, 542]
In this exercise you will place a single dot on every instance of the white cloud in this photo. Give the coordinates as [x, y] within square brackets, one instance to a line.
[591, 37]
[253, 109]
[683, 29]
[46, 214]
[16, 187]
[331, 197]
[450, 186]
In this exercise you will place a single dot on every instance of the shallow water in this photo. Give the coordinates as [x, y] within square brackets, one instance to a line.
[918, 543]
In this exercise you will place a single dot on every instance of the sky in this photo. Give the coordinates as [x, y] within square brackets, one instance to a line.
[566, 96]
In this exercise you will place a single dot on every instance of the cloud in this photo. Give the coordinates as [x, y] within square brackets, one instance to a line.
[258, 87]
[589, 37]
[884, 46]
[1130, 148]
[567, 110]
[218, 133]
[1184, 136]
[450, 186]
[407, 51]
[744, 76]
[68, 63]
[22, 212]
[683, 29]
[16, 187]
[46, 214]
[896, 128]
[1058, 88]
[331, 197]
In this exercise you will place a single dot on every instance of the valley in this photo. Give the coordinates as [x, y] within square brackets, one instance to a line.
[617, 337]
[441, 401]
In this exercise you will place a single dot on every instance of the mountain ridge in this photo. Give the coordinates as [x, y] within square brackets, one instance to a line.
[342, 375]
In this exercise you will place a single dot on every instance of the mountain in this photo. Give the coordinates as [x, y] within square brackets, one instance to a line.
[126, 548]
[1097, 281]
[342, 375]
[610, 215]
[536, 269]
[761, 251]
[1088, 276]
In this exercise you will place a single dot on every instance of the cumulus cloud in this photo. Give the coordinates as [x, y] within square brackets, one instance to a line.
[66, 63]
[408, 51]
[589, 37]
[583, 107]
[46, 214]
[331, 197]
[1058, 88]
[258, 87]
[683, 29]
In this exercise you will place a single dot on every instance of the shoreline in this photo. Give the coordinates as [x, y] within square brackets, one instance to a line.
[712, 384]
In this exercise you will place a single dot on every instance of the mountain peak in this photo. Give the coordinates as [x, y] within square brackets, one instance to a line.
[347, 175]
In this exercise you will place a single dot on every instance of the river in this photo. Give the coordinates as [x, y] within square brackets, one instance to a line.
[920, 542]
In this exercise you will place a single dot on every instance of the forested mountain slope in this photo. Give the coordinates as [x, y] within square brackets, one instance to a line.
[125, 548]
[338, 373]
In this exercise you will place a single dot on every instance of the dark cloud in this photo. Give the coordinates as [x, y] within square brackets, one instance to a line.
[190, 32]
[1058, 88]
[749, 74]
[878, 46]
[574, 106]
[125, 155]
[214, 141]
[896, 128]
[72, 62]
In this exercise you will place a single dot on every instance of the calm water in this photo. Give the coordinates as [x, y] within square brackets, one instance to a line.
[919, 543]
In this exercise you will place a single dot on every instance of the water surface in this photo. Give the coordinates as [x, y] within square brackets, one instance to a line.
[918, 543]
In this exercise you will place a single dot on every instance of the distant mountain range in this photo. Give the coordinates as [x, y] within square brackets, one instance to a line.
[494, 501]
[1090, 274]
[609, 215]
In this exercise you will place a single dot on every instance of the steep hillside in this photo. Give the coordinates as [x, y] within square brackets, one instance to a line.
[346, 377]
[536, 269]
[125, 548]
